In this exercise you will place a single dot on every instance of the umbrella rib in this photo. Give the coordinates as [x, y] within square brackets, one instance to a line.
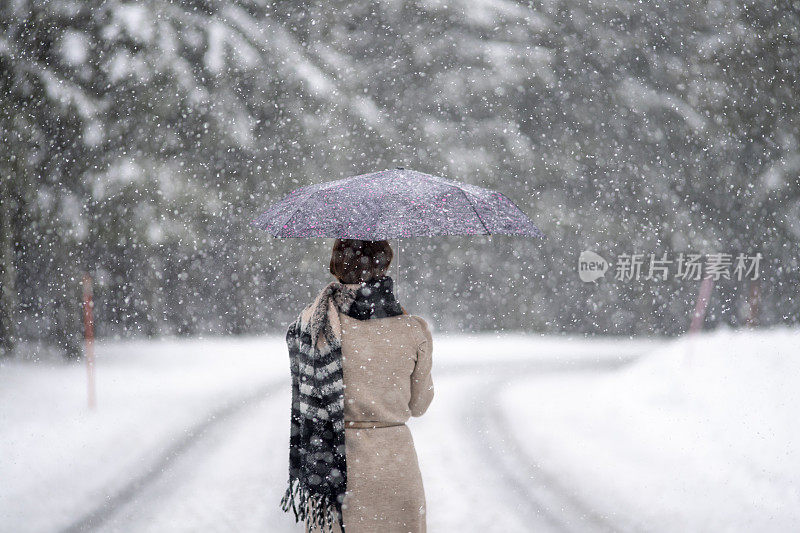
[512, 202]
[473, 208]
[299, 207]
[466, 195]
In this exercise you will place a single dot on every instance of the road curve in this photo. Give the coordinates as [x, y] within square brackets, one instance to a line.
[227, 473]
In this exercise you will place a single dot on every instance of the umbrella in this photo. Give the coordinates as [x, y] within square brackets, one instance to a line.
[393, 204]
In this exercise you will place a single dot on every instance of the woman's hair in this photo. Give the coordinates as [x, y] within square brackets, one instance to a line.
[355, 261]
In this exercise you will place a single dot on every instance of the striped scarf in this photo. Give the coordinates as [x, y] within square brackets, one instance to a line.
[317, 465]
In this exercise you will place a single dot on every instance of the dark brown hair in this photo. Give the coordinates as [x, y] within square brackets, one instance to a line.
[355, 261]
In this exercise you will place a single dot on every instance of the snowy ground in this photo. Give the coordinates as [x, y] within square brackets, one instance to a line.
[699, 435]
[526, 433]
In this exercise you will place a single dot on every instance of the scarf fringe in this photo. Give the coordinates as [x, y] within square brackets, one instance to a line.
[314, 509]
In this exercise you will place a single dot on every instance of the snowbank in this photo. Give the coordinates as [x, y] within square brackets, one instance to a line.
[700, 435]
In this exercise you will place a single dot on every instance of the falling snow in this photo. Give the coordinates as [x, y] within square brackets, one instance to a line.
[140, 139]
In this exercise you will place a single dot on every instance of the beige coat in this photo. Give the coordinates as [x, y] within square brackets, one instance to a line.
[387, 379]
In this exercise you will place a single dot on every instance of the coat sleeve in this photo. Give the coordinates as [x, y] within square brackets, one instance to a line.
[421, 379]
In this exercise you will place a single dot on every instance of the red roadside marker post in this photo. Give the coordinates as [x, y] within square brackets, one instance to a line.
[755, 300]
[88, 335]
[700, 307]
[704, 294]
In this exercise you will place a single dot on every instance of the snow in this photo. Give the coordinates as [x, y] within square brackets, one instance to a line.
[74, 46]
[69, 95]
[135, 21]
[192, 434]
[617, 126]
[215, 55]
[700, 435]
[140, 139]
[291, 53]
[641, 98]
[63, 458]
[526, 431]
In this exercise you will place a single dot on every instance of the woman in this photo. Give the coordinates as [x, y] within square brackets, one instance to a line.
[361, 367]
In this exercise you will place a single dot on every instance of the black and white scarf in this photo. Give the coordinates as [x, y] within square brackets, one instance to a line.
[317, 464]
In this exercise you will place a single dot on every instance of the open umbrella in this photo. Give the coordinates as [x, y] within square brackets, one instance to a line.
[393, 204]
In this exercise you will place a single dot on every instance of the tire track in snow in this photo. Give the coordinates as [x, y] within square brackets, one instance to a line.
[539, 496]
[122, 496]
[230, 480]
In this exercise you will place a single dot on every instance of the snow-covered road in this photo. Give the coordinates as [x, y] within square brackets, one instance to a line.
[228, 472]
[192, 435]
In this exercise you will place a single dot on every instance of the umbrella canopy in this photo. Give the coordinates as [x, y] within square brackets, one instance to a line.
[393, 204]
